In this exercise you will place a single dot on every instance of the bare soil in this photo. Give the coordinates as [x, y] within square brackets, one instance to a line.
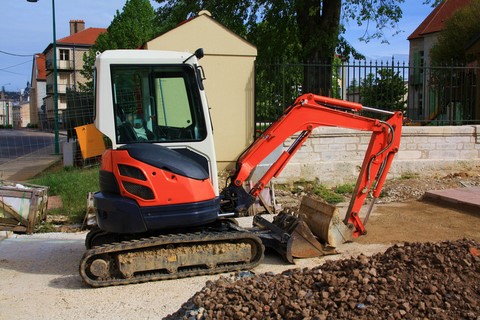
[402, 215]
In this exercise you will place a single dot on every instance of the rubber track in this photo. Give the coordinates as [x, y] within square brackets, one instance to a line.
[192, 238]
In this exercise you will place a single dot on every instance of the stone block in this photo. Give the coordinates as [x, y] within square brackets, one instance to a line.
[469, 154]
[444, 154]
[410, 155]
[446, 146]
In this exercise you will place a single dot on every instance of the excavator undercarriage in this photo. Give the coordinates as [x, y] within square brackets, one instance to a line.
[223, 247]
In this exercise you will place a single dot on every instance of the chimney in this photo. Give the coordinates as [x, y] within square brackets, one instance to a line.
[76, 26]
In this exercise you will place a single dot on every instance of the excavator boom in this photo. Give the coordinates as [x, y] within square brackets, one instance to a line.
[308, 112]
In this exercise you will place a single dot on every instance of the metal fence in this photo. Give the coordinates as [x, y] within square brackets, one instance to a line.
[428, 95]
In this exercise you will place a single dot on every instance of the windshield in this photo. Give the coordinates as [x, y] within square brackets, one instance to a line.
[157, 104]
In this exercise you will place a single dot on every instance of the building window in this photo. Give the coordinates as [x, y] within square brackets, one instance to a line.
[64, 54]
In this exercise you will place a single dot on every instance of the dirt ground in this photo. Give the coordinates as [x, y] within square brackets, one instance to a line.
[402, 216]
[39, 273]
[419, 221]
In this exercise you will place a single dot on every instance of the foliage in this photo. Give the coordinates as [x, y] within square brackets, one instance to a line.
[353, 87]
[453, 40]
[336, 78]
[347, 188]
[73, 186]
[277, 86]
[330, 195]
[294, 31]
[129, 29]
[385, 91]
[327, 194]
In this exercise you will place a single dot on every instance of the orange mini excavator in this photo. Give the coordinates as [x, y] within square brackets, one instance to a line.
[160, 213]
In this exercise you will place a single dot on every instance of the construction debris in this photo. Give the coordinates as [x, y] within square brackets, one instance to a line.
[22, 206]
[409, 281]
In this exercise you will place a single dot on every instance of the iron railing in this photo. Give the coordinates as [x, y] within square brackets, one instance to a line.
[428, 95]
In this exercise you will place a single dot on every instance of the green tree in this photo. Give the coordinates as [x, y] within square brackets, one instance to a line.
[295, 30]
[353, 88]
[337, 78]
[459, 29]
[129, 29]
[385, 91]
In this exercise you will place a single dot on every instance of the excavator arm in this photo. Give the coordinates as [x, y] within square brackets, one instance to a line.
[308, 112]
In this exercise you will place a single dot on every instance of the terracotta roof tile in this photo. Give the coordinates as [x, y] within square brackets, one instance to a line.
[87, 36]
[41, 69]
[434, 22]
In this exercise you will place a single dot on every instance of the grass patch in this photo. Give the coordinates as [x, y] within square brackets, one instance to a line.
[331, 195]
[73, 186]
[409, 175]
[345, 188]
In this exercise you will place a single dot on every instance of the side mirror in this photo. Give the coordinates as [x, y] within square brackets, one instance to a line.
[199, 53]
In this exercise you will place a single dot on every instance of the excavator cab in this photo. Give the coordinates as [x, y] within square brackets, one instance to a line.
[161, 170]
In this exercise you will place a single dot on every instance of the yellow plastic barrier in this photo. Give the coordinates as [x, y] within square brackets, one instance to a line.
[90, 140]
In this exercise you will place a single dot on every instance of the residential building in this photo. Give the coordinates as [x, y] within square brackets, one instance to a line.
[6, 111]
[38, 91]
[423, 97]
[70, 51]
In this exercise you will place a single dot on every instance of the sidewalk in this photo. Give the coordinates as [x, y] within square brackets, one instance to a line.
[467, 199]
[29, 165]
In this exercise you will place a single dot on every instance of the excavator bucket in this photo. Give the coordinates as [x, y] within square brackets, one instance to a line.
[324, 221]
[291, 237]
[303, 243]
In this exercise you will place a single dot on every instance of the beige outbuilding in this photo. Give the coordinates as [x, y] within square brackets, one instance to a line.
[230, 79]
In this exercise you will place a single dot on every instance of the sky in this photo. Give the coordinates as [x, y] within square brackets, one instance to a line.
[27, 28]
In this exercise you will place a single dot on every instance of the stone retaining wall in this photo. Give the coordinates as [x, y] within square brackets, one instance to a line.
[334, 155]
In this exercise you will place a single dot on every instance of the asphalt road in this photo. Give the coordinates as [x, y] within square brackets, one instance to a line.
[16, 143]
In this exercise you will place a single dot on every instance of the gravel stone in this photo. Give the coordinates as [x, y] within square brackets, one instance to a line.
[412, 281]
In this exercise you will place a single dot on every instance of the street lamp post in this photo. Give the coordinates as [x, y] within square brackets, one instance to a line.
[55, 89]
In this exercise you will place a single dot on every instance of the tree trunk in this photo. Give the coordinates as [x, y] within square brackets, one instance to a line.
[318, 23]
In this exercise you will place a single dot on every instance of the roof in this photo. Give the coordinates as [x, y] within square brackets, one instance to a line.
[86, 37]
[435, 21]
[40, 63]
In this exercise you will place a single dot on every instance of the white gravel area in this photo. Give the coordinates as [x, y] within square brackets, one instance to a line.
[39, 279]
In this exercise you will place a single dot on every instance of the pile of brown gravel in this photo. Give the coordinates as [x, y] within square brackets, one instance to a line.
[409, 281]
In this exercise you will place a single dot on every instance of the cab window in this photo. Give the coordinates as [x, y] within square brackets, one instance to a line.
[157, 104]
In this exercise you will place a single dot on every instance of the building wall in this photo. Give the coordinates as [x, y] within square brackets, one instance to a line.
[77, 54]
[6, 112]
[37, 92]
[419, 89]
[333, 155]
[25, 114]
[68, 76]
[229, 69]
